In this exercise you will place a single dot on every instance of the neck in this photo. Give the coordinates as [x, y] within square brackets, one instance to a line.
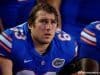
[41, 48]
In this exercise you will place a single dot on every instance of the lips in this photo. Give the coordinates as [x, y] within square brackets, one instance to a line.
[47, 35]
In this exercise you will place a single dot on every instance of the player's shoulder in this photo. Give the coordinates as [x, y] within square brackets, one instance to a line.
[65, 40]
[93, 26]
[13, 32]
[66, 43]
[8, 37]
[91, 33]
[63, 37]
[18, 28]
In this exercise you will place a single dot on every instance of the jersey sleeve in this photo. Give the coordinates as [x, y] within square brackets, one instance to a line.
[89, 40]
[70, 47]
[91, 34]
[5, 44]
[68, 44]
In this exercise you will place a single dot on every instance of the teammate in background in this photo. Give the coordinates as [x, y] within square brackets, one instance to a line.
[90, 46]
[35, 47]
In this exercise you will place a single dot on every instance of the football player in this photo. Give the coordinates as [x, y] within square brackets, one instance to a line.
[36, 47]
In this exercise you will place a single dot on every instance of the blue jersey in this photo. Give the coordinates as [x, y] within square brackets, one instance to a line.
[90, 41]
[16, 44]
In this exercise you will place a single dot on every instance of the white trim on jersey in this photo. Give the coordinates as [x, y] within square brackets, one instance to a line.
[87, 36]
[6, 41]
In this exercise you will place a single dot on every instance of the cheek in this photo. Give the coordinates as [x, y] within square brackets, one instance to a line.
[41, 27]
[54, 27]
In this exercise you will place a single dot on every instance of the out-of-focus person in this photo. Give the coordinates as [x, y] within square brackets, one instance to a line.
[90, 47]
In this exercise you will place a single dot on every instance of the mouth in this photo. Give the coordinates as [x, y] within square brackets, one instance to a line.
[47, 35]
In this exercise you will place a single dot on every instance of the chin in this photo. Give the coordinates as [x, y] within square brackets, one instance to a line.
[47, 41]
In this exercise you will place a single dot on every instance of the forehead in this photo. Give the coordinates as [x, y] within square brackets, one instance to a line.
[45, 14]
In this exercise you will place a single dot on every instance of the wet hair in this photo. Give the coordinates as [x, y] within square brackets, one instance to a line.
[41, 6]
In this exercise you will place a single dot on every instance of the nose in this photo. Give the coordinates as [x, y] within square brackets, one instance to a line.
[48, 26]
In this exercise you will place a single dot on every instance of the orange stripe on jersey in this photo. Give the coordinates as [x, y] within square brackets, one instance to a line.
[6, 36]
[7, 49]
[88, 41]
[90, 33]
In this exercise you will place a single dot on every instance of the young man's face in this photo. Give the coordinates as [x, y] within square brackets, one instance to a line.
[44, 27]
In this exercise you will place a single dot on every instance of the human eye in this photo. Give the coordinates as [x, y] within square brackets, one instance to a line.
[54, 22]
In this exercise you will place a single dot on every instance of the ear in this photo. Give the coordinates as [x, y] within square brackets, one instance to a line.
[29, 26]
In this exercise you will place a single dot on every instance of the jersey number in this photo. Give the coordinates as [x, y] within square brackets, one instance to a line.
[64, 37]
